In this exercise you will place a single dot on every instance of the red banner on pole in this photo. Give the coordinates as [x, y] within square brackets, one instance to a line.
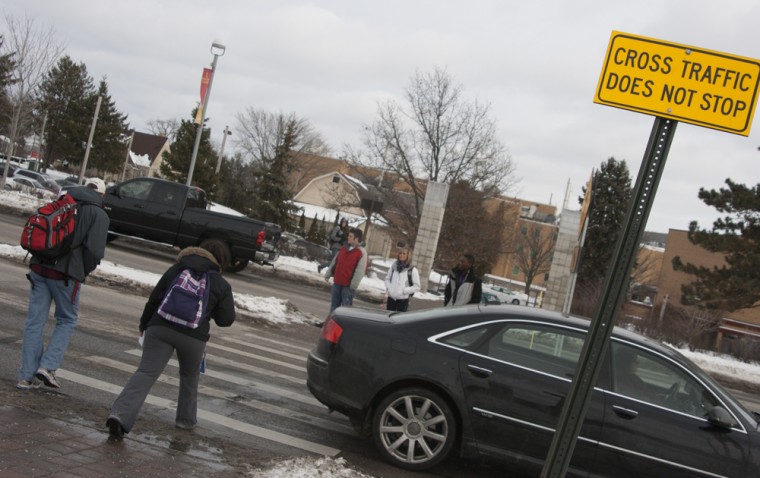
[205, 80]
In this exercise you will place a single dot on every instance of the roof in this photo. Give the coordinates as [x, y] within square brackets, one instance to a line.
[144, 144]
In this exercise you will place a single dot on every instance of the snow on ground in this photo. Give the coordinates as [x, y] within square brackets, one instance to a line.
[308, 467]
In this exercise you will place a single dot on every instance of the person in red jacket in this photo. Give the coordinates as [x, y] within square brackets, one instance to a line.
[347, 270]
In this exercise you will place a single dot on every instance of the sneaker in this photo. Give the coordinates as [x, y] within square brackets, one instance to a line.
[28, 384]
[115, 430]
[184, 425]
[48, 377]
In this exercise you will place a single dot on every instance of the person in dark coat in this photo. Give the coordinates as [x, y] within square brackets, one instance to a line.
[162, 338]
[61, 282]
[463, 287]
[335, 240]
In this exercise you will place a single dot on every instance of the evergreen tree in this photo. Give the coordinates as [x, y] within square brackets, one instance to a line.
[68, 96]
[302, 224]
[735, 285]
[109, 144]
[6, 69]
[314, 234]
[176, 163]
[272, 195]
[609, 203]
[236, 185]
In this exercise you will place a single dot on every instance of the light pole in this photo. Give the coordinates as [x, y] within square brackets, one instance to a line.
[221, 151]
[217, 49]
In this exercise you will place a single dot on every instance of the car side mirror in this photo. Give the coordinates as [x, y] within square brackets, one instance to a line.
[719, 417]
[113, 190]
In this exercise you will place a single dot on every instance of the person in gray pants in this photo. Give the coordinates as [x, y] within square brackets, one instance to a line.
[162, 336]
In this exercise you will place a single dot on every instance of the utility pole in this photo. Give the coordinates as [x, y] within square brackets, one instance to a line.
[89, 140]
[221, 151]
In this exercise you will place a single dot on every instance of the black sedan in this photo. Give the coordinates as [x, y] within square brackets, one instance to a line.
[491, 380]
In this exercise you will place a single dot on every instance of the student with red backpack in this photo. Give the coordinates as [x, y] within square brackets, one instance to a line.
[59, 279]
[177, 316]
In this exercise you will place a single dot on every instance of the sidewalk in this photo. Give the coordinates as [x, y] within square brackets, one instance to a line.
[35, 445]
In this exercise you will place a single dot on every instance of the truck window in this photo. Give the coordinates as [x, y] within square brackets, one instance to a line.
[168, 194]
[136, 190]
[196, 198]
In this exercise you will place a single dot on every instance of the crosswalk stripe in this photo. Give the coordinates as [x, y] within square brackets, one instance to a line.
[264, 348]
[217, 393]
[305, 350]
[257, 357]
[249, 382]
[210, 416]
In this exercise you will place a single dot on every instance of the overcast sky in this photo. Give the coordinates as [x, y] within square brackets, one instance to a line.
[537, 64]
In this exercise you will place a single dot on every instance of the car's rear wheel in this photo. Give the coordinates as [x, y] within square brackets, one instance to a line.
[516, 301]
[414, 428]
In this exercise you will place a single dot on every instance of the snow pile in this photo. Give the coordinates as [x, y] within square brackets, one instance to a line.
[307, 467]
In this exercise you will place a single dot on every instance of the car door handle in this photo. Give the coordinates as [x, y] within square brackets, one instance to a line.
[625, 412]
[479, 371]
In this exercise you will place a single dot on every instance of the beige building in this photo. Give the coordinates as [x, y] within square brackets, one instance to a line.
[331, 184]
[740, 323]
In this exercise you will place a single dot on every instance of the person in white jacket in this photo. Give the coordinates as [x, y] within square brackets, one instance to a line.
[401, 282]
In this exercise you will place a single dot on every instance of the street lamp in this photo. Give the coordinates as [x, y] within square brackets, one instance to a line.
[217, 49]
[221, 151]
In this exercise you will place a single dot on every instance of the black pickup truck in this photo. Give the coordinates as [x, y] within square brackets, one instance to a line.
[166, 212]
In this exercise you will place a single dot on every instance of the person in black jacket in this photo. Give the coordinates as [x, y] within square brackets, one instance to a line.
[463, 287]
[162, 338]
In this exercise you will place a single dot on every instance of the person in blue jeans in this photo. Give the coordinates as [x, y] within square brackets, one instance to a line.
[61, 282]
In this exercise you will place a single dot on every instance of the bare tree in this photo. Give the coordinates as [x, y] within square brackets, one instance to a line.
[260, 134]
[535, 247]
[164, 127]
[439, 136]
[34, 52]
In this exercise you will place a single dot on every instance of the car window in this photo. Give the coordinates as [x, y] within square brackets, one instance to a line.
[465, 338]
[648, 377]
[136, 190]
[549, 349]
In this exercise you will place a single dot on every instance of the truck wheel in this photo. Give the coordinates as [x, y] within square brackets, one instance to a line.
[226, 248]
[237, 265]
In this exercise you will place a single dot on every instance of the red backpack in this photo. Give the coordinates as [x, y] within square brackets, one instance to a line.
[48, 234]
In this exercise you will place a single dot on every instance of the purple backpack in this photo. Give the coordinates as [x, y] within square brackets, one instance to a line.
[186, 299]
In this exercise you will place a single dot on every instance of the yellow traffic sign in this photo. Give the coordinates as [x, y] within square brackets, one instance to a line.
[680, 82]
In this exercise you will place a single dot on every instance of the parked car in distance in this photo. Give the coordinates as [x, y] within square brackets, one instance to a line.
[11, 168]
[482, 380]
[296, 246]
[46, 181]
[67, 182]
[29, 186]
[505, 296]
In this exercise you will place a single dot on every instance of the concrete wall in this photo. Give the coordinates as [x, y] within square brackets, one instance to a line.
[559, 282]
[430, 228]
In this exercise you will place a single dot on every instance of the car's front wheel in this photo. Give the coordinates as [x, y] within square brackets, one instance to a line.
[414, 428]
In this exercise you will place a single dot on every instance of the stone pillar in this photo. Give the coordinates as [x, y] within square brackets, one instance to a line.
[429, 230]
[560, 274]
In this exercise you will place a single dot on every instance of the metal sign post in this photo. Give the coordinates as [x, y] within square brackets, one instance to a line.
[616, 280]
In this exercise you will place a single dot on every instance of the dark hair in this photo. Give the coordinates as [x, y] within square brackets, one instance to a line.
[219, 250]
[356, 232]
[470, 258]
